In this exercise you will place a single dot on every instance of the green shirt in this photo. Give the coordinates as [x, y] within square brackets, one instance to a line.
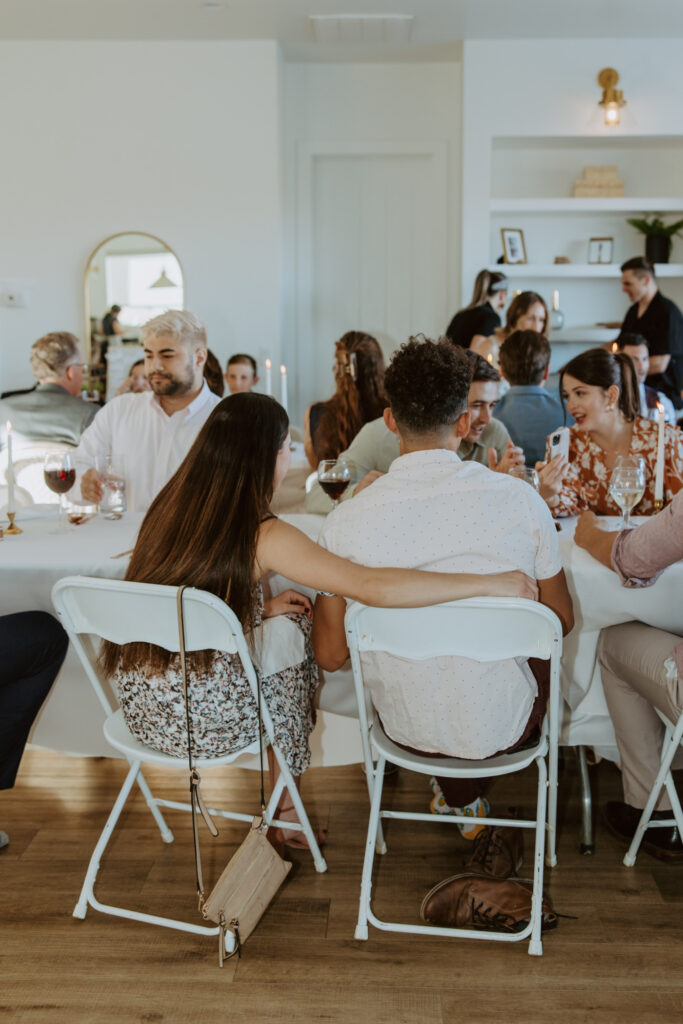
[376, 447]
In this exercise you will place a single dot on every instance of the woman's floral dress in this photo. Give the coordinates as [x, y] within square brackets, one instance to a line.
[222, 709]
[586, 482]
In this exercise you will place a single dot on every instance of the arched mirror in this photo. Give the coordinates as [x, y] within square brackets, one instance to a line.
[129, 278]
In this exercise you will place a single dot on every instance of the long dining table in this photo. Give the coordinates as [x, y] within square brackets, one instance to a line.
[71, 719]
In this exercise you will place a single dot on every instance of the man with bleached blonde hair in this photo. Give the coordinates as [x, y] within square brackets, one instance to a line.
[154, 430]
[52, 411]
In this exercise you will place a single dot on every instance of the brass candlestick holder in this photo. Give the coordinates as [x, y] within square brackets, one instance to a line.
[12, 528]
[659, 505]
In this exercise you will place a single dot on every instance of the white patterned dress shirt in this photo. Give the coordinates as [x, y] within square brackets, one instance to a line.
[433, 511]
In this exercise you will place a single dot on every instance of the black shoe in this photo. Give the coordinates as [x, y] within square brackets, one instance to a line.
[663, 843]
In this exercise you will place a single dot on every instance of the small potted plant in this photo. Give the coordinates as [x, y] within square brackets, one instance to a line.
[658, 236]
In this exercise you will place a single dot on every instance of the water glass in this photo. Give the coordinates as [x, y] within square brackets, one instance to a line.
[112, 471]
[526, 473]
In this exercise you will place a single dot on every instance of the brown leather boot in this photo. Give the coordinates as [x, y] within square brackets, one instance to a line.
[474, 901]
[497, 852]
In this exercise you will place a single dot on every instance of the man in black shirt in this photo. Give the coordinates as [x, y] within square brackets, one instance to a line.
[660, 321]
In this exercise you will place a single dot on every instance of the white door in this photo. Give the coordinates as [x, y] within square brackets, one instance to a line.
[372, 252]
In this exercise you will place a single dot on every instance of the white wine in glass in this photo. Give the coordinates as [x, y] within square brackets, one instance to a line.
[627, 485]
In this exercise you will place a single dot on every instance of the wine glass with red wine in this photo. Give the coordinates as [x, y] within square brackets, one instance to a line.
[60, 476]
[334, 477]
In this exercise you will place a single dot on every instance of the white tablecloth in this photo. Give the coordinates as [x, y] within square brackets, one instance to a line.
[71, 719]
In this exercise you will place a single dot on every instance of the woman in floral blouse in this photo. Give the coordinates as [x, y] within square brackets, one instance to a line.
[600, 390]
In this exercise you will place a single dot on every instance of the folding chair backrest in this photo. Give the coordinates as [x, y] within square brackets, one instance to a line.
[483, 629]
[126, 612]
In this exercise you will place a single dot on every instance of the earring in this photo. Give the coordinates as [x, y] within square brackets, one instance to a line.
[610, 407]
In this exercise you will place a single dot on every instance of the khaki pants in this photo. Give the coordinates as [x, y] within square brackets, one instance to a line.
[635, 681]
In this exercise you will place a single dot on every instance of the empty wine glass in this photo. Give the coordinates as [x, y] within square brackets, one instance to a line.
[627, 485]
[334, 477]
[60, 476]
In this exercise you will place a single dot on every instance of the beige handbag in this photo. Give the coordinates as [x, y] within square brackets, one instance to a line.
[256, 871]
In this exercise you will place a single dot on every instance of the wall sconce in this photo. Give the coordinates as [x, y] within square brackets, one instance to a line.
[612, 99]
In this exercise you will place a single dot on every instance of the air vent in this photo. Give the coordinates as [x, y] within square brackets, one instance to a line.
[362, 28]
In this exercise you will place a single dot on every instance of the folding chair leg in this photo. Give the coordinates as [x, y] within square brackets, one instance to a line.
[675, 802]
[372, 837]
[587, 846]
[551, 856]
[381, 846]
[535, 945]
[286, 781]
[663, 775]
[87, 892]
[166, 833]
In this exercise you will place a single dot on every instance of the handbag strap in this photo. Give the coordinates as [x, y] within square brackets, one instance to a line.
[196, 799]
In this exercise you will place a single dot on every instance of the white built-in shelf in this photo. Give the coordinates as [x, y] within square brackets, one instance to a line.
[591, 335]
[588, 270]
[621, 204]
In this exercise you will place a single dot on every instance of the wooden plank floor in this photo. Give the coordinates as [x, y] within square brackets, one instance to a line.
[621, 959]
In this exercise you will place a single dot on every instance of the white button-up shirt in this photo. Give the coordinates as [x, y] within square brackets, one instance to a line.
[152, 443]
[434, 511]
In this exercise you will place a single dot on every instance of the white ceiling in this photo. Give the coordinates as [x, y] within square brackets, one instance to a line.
[440, 25]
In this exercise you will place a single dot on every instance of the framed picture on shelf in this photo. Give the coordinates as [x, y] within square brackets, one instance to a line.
[514, 250]
[600, 250]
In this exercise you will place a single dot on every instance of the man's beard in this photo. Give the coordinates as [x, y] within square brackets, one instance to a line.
[166, 384]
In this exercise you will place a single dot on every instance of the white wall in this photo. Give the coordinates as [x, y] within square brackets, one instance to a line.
[178, 139]
[358, 108]
[547, 89]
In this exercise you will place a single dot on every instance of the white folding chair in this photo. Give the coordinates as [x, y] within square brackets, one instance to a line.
[483, 629]
[673, 737]
[125, 612]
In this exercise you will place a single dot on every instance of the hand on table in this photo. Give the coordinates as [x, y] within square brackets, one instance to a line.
[550, 477]
[512, 584]
[592, 534]
[368, 479]
[287, 602]
[91, 487]
[513, 456]
[586, 525]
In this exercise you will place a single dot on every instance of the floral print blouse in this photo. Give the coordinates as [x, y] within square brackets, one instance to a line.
[586, 482]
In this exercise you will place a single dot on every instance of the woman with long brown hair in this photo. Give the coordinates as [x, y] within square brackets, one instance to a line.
[330, 427]
[526, 312]
[211, 528]
[600, 390]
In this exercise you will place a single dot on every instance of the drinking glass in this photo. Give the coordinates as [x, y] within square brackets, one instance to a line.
[526, 473]
[111, 469]
[627, 485]
[334, 477]
[60, 476]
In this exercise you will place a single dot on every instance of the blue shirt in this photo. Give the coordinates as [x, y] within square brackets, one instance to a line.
[530, 414]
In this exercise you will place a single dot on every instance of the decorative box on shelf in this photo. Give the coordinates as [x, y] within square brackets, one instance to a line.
[599, 182]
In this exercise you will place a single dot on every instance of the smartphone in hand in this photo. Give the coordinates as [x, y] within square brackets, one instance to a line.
[557, 443]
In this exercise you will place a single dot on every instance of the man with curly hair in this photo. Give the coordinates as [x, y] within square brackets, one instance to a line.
[375, 447]
[432, 510]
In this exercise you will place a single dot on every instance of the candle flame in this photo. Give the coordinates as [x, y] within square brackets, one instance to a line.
[660, 408]
[268, 364]
[283, 369]
[615, 347]
[9, 427]
[489, 358]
